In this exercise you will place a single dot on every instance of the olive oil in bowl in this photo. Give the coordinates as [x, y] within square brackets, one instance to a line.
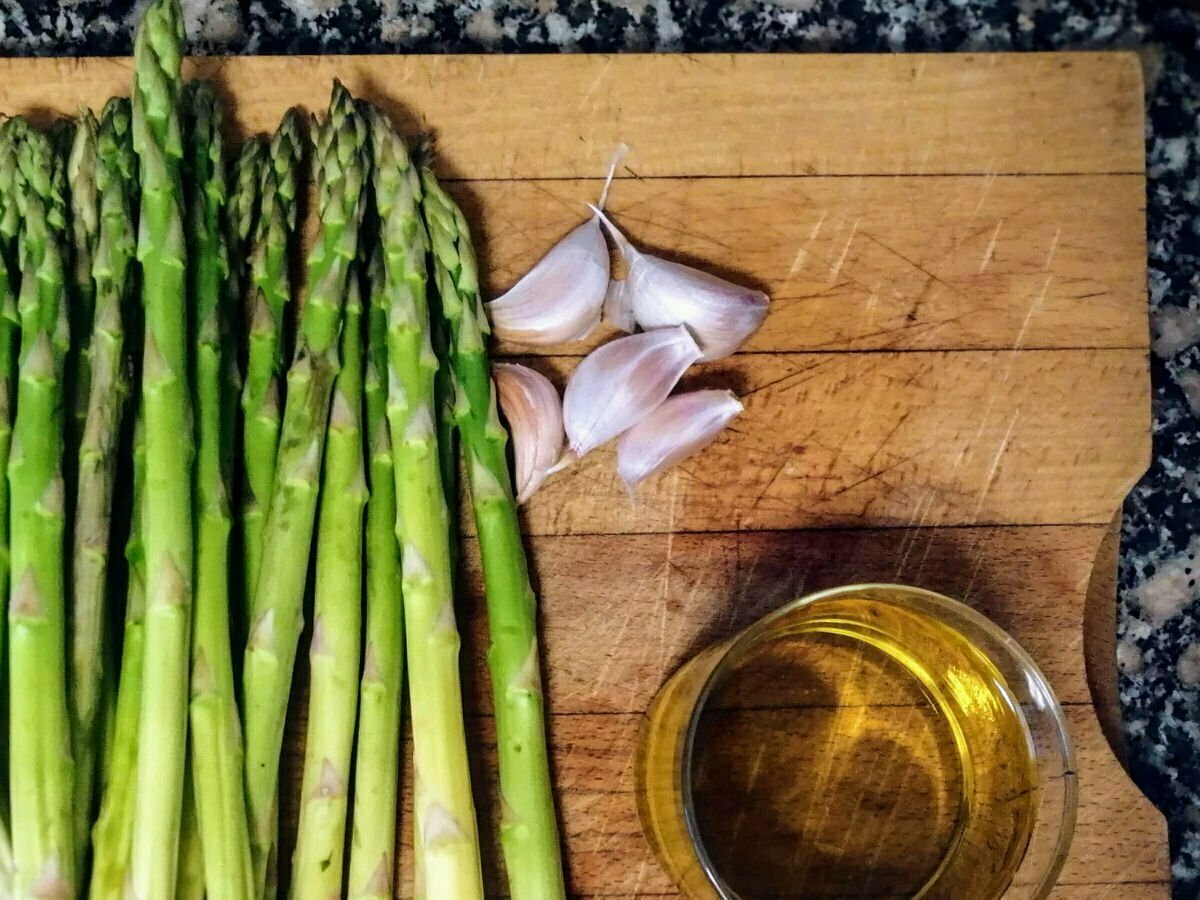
[874, 741]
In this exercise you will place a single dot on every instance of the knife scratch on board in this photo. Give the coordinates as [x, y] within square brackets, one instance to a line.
[802, 252]
[845, 250]
[990, 251]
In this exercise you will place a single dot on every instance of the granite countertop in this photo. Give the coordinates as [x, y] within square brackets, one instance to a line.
[1159, 616]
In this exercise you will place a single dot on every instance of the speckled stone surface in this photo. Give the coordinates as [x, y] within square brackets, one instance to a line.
[1159, 622]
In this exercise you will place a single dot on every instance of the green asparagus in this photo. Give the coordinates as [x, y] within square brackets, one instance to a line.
[7, 865]
[241, 220]
[341, 165]
[318, 864]
[9, 333]
[270, 257]
[529, 830]
[189, 877]
[112, 835]
[82, 164]
[40, 770]
[97, 463]
[447, 841]
[167, 411]
[377, 760]
[82, 175]
[216, 740]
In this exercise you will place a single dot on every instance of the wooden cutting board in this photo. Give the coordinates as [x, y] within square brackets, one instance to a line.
[951, 389]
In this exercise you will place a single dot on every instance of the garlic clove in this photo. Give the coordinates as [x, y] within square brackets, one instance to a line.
[682, 426]
[561, 297]
[660, 293]
[721, 314]
[620, 383]
[533, 410]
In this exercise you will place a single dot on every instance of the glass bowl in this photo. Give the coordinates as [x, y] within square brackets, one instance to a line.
[865, 741]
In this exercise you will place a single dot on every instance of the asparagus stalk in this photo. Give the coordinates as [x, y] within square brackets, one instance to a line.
[341, 163]
[241, 217]
[9, 333]
[241, 220]
[112, 836]
[529, 830]
[10, 219]
[162, 731]
[270, 257]
[7, 865]
[317, 867]
[189, 879]
[40, 771]
[377, 760]
[447, 842]
[98, 451]
[82, 164]
[216, 740]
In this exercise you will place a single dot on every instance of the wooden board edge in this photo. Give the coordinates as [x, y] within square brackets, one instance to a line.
[1100, 664]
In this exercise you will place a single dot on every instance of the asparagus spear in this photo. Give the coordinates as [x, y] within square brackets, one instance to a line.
[7, 865]
[241, 220]
[241, 216]
[112, 836]
[162, 731]
[377, 760]
[97, 452]
[216, 739]
[40, 772]
[189, 877]
[274, 236]
[9, 218]
[317, 866]
[529, 831]
[82, 164]
[447, 842]
[341, 163]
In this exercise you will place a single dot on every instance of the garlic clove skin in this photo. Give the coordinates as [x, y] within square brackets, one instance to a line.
[560, 299]
[681, 427]
[533, 411]
[660, 293]
[619, 384]
[618, 311]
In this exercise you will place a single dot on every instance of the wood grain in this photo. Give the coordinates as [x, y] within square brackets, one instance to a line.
[955, 250]
[611, 645]
[561, 116]
[608, 856]
[692, 590]
[950, 263]
[895, 439]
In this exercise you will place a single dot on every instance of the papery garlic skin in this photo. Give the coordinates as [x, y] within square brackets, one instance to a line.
[619, 384]
[682, 426]
[560, 299]
[533, 411]
[618, 309]
[660, 293]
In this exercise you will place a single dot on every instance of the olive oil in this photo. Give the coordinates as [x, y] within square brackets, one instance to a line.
[858, 747]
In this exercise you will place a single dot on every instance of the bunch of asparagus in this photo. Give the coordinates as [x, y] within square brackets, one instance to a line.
[165, 387]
